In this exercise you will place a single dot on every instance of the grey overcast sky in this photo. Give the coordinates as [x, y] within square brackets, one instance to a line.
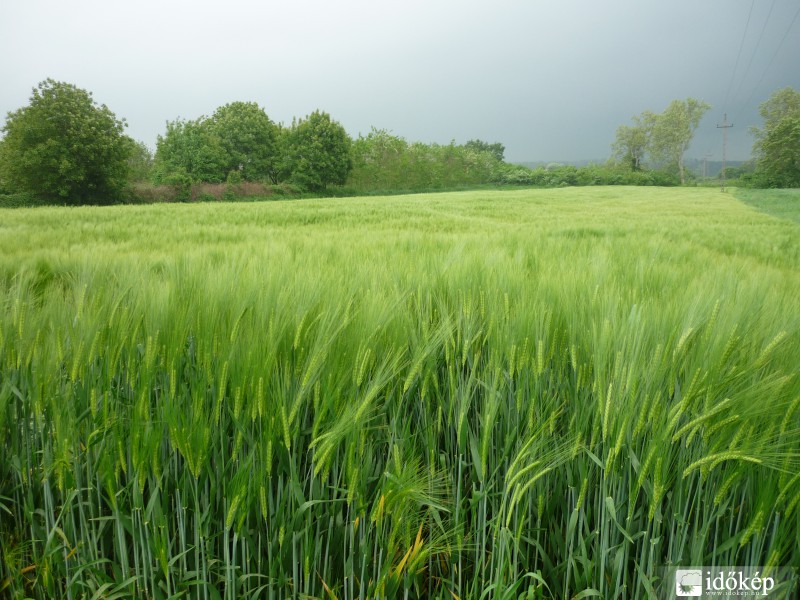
[552, 80]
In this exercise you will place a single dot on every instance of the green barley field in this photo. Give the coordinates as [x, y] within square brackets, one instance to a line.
[495, 394]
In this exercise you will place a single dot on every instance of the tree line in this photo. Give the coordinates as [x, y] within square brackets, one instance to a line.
[239, 142]
[663, 138]
[658, 141]
[66, 147]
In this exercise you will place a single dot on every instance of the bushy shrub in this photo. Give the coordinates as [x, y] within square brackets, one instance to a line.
[181, 182]
[146, 193]
[285, 189]
[760, 179]
[508, 174]
[229, 193]
[19, 200]
[566, 175]
[383, 162]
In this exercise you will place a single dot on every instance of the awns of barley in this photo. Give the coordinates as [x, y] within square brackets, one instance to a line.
[281, 418]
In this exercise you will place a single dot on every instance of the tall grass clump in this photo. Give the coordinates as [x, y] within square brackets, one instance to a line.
[553, 394]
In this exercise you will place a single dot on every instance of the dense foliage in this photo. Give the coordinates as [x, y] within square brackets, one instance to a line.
[630, 145]
[539, 394]
[238, 141]
[568, 175]
[63, 146]
[383, 162]
[316, 152]
[190, 151]
[497, 150]
[777, 145]
[248, 138]
[662, 138]
[140, 162]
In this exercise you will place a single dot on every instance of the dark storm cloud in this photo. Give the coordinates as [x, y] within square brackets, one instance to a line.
[551, 80]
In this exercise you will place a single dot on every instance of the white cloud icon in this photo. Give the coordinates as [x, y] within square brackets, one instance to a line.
[689, 583]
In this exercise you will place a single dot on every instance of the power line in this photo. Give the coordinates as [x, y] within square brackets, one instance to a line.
[755, 50]
[739, 54]
[774, 56]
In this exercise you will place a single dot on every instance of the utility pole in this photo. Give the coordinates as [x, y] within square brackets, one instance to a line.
[725, 126]
[705, 165]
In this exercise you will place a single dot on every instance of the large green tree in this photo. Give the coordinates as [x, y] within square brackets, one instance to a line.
[239, 139]
[190, 150]
[632, 141]
[672, 132]
[497, 150]
[316, 152]
[662, 139]
[248, 137]
[64, 146]
[777, 143]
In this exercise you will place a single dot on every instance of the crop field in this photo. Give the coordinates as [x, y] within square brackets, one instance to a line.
[496, 394]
